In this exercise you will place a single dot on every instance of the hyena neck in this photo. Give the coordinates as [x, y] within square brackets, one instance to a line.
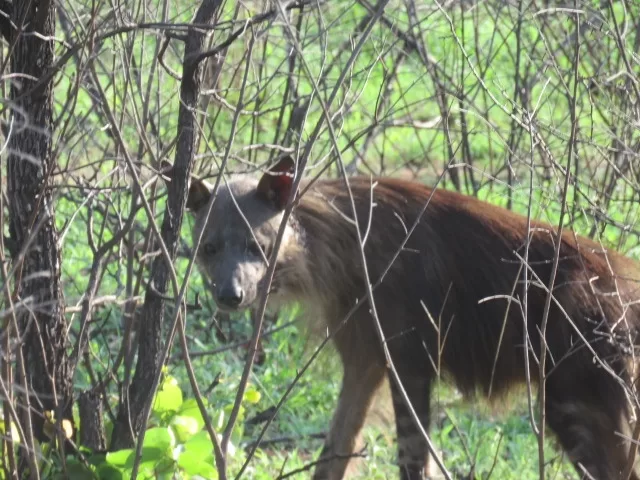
[327, 264]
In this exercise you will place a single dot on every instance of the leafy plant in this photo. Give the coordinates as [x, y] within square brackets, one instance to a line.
[176, 445]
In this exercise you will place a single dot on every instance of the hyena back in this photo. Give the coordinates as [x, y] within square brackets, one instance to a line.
[451, 305]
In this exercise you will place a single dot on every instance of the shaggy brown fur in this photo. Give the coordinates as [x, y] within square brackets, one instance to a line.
[450, 305]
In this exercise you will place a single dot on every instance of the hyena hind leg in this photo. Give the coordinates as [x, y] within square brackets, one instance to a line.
[359, 385]
[588, 419]
[413, 452]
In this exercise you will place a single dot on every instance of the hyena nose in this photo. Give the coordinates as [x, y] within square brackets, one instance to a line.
[230, 296]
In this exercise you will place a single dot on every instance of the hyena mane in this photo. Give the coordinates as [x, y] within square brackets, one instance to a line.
[450, 299]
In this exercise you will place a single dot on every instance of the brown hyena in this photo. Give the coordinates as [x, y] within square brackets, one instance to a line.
[451, 304]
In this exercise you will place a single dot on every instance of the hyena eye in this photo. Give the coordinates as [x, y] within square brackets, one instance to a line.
[209, 248]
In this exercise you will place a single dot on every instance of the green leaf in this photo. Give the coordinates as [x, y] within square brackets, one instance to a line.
[252, 395]
[200, 445]
[158, 444]
[95, 459]
[168, 398]
[189, 408]
[159, 469]
[153, 455]
[122, 458]
[15, 434]
[446, 430]
[184, 427]
[193, 464]
[110, 472]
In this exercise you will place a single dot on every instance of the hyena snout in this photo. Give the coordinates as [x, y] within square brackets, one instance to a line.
[229, 295]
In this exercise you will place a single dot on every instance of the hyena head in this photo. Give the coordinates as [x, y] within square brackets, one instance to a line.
[240, 233]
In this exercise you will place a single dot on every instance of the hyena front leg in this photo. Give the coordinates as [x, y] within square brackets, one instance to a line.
[359, 384]
[413, 452]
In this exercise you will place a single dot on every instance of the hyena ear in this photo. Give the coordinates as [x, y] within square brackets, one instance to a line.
[276, 185]
[199, 192]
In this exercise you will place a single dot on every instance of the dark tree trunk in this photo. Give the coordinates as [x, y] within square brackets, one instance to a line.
[38, 293]
[135, 397]
[91, 423]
